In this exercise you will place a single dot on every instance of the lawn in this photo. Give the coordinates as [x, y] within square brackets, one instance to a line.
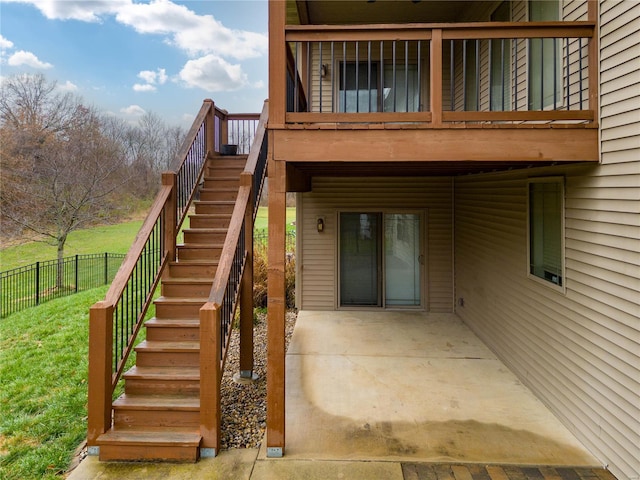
[43, 386]
[262, 219]
[108, 238]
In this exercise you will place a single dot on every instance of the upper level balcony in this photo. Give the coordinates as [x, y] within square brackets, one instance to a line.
[497, 90]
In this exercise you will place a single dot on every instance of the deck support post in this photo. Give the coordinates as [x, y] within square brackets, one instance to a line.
[246, 288]
[100, 371]
[210, 376]
[276, 305]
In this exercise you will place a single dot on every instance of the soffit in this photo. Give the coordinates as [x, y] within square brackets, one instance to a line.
[331, 12]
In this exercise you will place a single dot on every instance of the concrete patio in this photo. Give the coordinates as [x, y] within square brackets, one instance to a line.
[371, 393]
[411, 386]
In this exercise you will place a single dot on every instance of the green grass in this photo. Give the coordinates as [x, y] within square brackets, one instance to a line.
[262, 219]
[43, 386]
[108, 238]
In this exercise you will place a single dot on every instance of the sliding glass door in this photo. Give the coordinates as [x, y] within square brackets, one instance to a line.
[380, 259]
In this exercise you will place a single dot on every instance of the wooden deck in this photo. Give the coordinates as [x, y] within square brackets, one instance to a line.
[424, 471]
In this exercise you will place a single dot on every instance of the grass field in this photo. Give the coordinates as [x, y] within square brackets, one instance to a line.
[43, 361]
[43, 386]
[108, 238]
[262, 219]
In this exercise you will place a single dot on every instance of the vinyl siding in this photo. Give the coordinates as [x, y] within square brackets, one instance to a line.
[578, 349]
[317, 252]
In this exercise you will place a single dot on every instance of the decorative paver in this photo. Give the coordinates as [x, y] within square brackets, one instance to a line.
[425, 471]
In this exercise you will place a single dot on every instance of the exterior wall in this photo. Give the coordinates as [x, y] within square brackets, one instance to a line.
[579, 350]
[317, 252]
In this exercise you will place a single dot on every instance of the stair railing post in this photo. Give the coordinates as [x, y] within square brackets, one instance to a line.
[170, 214]
[100, 371]
[210, 377]
[210, 127]
[224, 127]
[246, 288]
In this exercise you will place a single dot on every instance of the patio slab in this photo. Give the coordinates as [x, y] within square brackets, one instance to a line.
[408, 386]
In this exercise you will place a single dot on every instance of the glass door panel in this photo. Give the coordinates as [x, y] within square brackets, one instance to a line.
[402, 259]
[359, 259]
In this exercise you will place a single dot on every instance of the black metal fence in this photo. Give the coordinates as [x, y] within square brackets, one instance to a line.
[261, 239]
[31, 285]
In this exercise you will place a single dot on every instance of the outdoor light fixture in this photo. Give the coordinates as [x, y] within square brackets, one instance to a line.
[320, 225]
[324, 69]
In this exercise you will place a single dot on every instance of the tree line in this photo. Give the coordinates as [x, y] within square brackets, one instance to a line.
[65, 165]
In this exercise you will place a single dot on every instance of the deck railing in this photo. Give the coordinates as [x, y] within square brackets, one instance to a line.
[446, 73]
[233, 276]
[114, 323]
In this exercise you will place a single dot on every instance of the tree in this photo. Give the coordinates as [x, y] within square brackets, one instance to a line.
[59, 170]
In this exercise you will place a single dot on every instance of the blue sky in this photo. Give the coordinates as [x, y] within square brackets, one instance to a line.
[128, 57]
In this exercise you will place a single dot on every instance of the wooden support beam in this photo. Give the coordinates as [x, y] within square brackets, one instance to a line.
[276, 307]
[100, 371]
[436, 77]
[246, 289]
[277, 63]
[210, 376]
[594, 61]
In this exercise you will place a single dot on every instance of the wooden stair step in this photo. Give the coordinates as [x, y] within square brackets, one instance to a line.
[158, 402]
[162, 346]
[157, 410]
[188, 268]
[186, 286]
[168, 353]
[164, 380]
[179, 307]
[167, 329]
[150, 444]
[166, 373]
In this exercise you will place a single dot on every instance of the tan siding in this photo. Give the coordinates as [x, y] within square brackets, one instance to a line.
[578, 350]
[318, 258]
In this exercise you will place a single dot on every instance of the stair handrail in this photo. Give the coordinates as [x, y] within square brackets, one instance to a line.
[236, 259]
[114, 323]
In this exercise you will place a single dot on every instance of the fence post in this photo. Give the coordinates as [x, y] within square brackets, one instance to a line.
[76, 274]
[37, 283]
[100, 371]
[210, 375]
[171, 214]
[106, 268]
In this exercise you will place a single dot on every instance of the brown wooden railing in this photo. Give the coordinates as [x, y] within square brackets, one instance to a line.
[442, 74]
[114, 323]
[233, 282]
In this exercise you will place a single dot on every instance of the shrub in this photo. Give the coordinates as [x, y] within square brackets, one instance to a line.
[260, 277]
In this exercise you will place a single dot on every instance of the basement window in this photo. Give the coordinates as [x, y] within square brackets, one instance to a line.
[546, 230]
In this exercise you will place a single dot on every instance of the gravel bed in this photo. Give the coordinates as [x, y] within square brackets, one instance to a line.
[244, 407]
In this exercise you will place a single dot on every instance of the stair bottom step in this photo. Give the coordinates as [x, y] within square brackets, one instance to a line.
[128, 445]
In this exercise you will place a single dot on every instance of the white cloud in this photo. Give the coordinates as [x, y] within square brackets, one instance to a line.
[5, 44]
[27, 58]
[144, 87]
[152, 79]
[149, 76]
[214, 74]
[68, 87]
[192, 33]
[83, 10]
[133, 110]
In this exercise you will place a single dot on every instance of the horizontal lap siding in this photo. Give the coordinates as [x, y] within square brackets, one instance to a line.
[579, 350]
[318, 254]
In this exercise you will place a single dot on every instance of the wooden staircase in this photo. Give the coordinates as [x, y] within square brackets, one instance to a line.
[158, 416]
